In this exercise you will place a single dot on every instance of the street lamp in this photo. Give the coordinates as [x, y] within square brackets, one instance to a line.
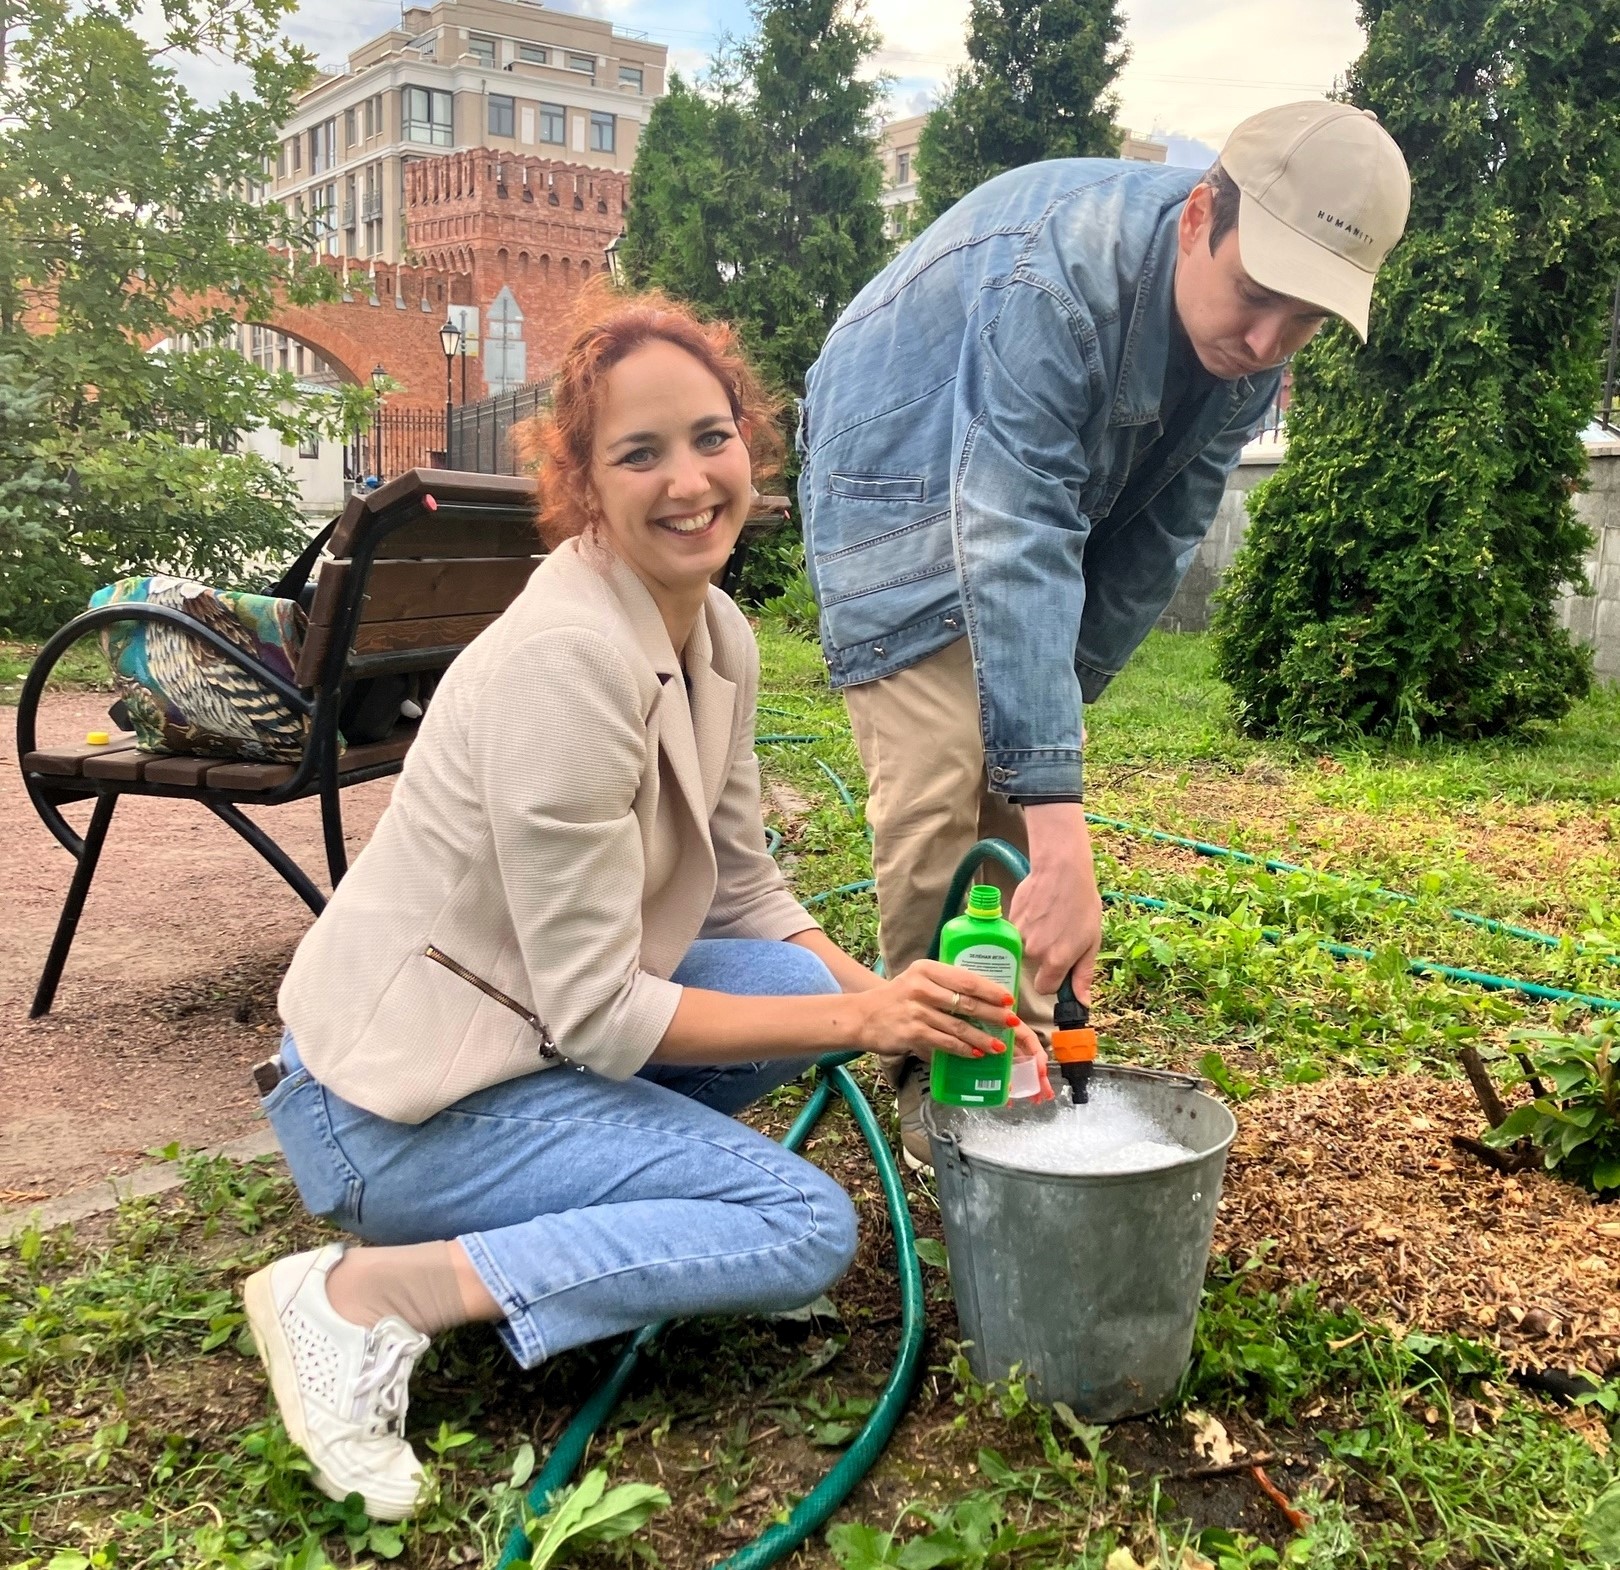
[379, 380]
[612, 255]
[450, 342]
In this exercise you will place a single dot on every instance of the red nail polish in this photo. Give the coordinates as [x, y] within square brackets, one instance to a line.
[1014, 1021]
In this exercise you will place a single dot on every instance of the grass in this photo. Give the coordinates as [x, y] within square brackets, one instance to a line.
[135, 1432]
[135, 1429]
[81, 669]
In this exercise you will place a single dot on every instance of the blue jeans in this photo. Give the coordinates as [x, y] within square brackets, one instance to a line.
[590, 1207]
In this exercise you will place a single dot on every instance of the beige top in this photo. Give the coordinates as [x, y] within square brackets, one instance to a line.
[572, 816]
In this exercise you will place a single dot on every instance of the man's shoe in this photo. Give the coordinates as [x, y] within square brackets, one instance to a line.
[342, 1389]
[912, 1093]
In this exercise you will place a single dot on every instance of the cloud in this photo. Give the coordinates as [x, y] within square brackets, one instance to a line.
[1197, 67]
[1200, 66]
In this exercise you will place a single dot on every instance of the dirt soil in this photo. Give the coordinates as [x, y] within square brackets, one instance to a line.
[169, 995]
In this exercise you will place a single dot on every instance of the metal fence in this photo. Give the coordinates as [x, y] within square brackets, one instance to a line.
[480, 433]
[398, 440]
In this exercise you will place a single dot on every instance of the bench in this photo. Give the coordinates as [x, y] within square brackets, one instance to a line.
[412, 573]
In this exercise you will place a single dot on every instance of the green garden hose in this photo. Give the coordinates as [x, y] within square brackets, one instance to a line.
[1272, 864]
[813, 1511]
[1418, 967]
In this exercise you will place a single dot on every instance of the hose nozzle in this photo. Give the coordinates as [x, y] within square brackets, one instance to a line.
[1074, 1043]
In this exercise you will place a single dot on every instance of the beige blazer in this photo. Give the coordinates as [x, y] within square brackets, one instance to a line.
[572, 816]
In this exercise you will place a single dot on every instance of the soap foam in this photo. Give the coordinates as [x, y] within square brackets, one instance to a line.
[1106, 1134]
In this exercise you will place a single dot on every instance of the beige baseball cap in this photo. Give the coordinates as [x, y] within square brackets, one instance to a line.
[1325, 196]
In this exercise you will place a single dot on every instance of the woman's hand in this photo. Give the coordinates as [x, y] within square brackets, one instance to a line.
[931, 1008]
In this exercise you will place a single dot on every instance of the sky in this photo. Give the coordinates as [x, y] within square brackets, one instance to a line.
[1197, 67]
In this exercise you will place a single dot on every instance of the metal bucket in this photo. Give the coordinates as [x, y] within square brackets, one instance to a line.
[1090, 1284]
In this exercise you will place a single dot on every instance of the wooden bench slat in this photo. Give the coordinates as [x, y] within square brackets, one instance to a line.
[178, 769]
[432, 537]
[451, 489]
[68, 762]
[420, 632]
[126, 765]
[267, 776]
[401, 590]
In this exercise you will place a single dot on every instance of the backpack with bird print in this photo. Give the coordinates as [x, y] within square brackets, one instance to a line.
[181, 695]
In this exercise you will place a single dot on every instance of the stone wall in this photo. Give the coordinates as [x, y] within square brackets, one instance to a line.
[1594, 618]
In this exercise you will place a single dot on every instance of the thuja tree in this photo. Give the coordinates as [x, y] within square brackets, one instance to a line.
[1038, 83]
[1400, 569]
[757, 197]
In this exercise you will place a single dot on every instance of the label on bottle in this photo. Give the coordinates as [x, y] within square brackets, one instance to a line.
[990, 959]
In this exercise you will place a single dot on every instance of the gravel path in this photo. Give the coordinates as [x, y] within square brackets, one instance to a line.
[169, 995]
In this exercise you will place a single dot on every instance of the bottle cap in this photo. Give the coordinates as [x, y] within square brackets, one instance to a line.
[984, 899]
[97, 738]
[1026, 1080]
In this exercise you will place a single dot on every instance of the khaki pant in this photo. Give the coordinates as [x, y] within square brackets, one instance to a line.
[928, 801]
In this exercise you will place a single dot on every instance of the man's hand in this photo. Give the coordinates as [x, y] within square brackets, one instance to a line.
[1057, 907]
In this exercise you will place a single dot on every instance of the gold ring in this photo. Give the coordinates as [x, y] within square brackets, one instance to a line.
[956, 1002]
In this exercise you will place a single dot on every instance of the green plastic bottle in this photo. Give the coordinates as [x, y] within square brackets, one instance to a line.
[979, 940]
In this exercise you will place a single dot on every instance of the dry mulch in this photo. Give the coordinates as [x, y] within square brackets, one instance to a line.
[1359, 1185]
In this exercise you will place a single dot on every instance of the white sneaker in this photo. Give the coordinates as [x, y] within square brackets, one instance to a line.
[342, 1389]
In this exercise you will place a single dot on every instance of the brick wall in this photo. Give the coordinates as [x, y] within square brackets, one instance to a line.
[476, 222]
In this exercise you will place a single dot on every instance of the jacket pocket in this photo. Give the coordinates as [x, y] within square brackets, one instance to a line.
[548, 1046]
[878, 487]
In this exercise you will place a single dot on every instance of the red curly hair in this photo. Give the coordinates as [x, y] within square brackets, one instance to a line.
[559, 444]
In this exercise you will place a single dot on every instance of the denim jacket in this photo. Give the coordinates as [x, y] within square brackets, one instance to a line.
[983, 453]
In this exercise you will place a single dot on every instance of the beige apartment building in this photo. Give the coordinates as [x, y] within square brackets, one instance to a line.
[897, 149]
[503, 74]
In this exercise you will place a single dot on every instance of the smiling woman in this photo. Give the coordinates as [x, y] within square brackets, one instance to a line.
[572, 874]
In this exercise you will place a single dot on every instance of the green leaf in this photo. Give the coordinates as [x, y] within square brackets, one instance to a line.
[1600, 1531]
[993, 1466]
[859, 1547]
[522, 1465]
[932, 1252]
[590, 1512]
[388, 1541]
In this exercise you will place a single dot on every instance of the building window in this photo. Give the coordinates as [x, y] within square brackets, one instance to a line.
[298, 153]
[281, 161]
[482, 50]
[428, 116]
[602, 133]
[553, 123]
[902, 168]
[584, 63]
[502, 114]
[351, 131]
[323, 147]
[373, 115]
[630, 76]
[532, 54]
[309, 447]
[324, 209]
